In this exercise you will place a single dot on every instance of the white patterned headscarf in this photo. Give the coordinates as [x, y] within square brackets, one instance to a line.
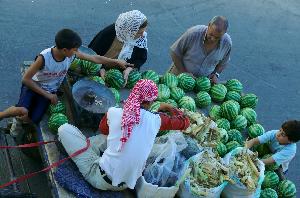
[127, 25]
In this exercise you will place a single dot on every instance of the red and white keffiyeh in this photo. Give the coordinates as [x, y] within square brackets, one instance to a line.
[144, 90]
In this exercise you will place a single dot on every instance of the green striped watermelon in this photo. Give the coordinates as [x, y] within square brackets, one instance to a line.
[75, 64]
[229, 110]
[151, 75]
[232, 145]
[56, 120]
[255, 130]
[188, 103]
[154, 106]
[186, 82]
[221, 149]
[89, 68]
[262, 149]
[234, 85]
[202, 84]
[171, 102]
[233, 95]
[116, 94]
[249, 114]
[223, 134]
[218, 92]
[163, 92]
[98, 79]
[58, 108]
[202, 99]
[114, 78]
[215, 112]
[249, 100]
[170, 80]
[268, 193]
[239, 123]
[271, 167]
[133, 77]
[235, 135]
[223, 123]
[271, 180]
[176, 93]
[286, 188]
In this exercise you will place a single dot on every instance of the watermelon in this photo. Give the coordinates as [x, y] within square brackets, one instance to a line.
[151, 75]
[89, 68]
[186, 82]
[235, 135]
[239, 123]
[133, 77]
[221, 149]
[249, 114]
[202, 84]
[114, 78]
[75, 64]
[171, 102]
[232, 145]
[163, 92]
[56, 120]
[170, 80]
[58, 108]
[154, 106]
[116, 94]
[249, 100]
[229, 110]
[233, 95]
[223, 123]
[176, 93]
[188, 103]
[202, 99]
[98, 79]
[218, 92]
[223, 135]
[268, 193]
[215, 112]
[271, 167]
[234, 85]
[262, 149]
[255, 130]
[271, 180]
[286, 188]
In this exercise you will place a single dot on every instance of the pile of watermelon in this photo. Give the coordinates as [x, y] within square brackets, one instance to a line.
[57, 116]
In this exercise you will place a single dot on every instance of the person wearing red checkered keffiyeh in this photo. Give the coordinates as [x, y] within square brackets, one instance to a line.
[143, 91]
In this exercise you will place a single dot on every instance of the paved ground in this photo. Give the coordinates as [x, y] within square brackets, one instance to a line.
[265, 34]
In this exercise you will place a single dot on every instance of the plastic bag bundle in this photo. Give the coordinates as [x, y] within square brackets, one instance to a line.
[191, 149]
[165, 164]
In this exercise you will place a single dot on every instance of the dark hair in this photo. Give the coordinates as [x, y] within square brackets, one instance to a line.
[67, 38]
[220, 22]
[292, 130]
[144, 24]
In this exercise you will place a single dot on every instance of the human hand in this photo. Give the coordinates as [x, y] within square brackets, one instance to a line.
[16, 111]
[123, 64]
[53, 98]
[102, 73]
[126, 73]
[213, 78]
[165, 107]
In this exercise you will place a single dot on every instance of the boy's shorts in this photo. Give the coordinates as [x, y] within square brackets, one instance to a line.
[35, 103]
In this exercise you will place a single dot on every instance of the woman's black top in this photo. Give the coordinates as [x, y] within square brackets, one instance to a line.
[103, 40]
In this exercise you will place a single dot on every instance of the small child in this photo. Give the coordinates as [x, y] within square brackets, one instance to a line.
[42, 79]
[282, 143]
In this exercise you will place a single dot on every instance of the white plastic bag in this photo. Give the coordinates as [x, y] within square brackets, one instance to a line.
[185, 190]
[239, 190]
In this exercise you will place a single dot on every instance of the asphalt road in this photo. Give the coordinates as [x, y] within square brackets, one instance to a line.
[265, 34]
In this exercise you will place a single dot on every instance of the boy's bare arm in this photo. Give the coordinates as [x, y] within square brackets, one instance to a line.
[27, 80]
[252, 142]
[268, 161]
[104, 60]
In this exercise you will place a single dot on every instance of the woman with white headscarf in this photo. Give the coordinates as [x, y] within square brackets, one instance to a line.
[125, 39]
